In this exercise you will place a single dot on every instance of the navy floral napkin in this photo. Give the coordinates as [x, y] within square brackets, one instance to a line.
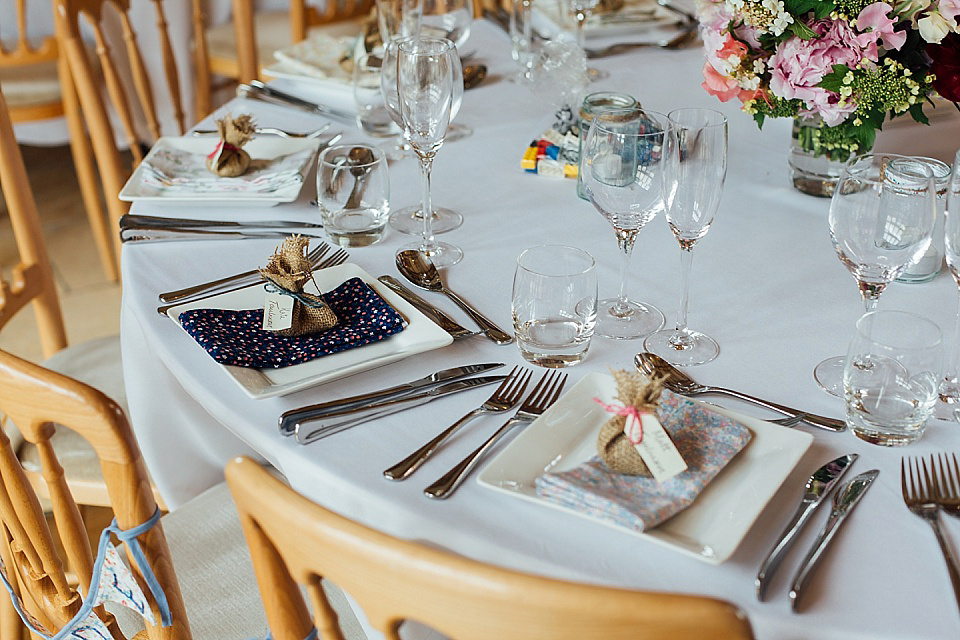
[237, 337]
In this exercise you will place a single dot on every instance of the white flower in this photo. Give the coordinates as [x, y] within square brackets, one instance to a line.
[933, 27]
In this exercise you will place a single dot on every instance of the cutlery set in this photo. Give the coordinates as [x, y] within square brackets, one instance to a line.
[817, 487]
[929, 490]
[257, 90]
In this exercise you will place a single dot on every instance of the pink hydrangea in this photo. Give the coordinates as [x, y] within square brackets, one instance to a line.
[799, 65]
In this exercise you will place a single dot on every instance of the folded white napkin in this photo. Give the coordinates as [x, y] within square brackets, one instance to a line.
[181, 171]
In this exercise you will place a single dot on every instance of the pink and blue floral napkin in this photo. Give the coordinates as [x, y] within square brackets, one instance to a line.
[706, 440]
[237, 337]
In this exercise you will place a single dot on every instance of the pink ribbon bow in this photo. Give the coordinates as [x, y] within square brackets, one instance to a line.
[633, 428]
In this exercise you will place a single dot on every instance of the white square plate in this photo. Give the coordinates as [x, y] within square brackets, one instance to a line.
[711, 528]
[263, 147]
[420, 334]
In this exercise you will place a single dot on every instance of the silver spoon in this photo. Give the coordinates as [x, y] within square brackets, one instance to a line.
[359, 161]
[417, 268]
[679, 382]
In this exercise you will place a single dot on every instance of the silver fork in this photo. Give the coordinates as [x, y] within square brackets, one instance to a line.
[503, 399]
[947, 482]
[339, 257]
[543, 395]
[921, 498]
[271, 131]
[247, 276]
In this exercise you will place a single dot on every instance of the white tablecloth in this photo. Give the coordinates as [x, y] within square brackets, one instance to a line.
[766, 284]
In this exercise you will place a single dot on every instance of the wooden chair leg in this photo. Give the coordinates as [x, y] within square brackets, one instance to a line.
[84, 163]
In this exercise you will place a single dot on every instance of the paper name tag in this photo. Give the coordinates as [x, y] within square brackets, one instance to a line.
[277, 312]
[656, 448]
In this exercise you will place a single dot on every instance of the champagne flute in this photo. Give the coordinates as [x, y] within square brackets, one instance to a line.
[426, 75]
[409, 220]
[950, 385]
[622, 165]
[696, 166]
[582, 10]
[881, 216]
[450, 19]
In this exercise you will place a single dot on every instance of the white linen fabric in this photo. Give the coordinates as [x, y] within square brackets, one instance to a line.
[766, 284]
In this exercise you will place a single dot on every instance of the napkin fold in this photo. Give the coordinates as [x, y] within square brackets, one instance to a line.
[176, 170]
[237, 337]
[706, 440]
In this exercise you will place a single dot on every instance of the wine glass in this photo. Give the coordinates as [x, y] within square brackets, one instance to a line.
[409, 220]
[695, 168]
[426, 75]
[881, 216]
[622, 166]
[398, 19]
[582, 10]
[950, 385]
[450, 19]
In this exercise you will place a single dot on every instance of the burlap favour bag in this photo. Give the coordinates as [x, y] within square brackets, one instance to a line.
[228, 159]
[637, 394]
[287, 272]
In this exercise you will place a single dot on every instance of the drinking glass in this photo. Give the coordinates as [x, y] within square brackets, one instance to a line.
[353, 192]
[554, 305]
[582, 10]
[950, 385]
[450, 19]
[398, 19]
[890, 379]
[696, 166]
[372, 115]
[522, 49]
[881, 216]
[622, 164]
[409, 220]
[425, 86]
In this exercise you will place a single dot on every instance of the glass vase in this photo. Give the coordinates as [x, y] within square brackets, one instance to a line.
[812, 171]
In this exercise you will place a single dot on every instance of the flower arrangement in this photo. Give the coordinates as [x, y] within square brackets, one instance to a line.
[844, 64]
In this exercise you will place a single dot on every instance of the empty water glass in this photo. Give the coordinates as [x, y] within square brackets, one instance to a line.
[353, 192]
[891, 376]
[372, 115]
[554, 305]
[523, 50]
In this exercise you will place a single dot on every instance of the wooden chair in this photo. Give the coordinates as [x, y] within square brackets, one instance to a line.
[37, 87]
[293, 540]
[96, 362]
[237, 48]
[130, 105]
[196, 553]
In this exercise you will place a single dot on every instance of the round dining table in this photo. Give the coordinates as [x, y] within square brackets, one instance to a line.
[766, 284]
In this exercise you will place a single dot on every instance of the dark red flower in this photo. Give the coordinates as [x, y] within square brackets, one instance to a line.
[946, 66]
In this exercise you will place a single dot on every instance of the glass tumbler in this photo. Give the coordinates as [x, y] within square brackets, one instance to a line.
[372, 115]
[554, 305]
[891, 377]
[353, 193]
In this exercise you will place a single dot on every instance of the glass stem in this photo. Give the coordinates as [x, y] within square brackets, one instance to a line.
[625, 240]
[581, 20]
[426, 164]
[950, 366]
[686, 259]
[870, 292]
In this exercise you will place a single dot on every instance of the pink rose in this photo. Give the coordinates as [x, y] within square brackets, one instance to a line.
[723, 87]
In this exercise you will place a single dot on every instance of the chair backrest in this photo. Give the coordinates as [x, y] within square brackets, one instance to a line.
[23, 62]
[35, 398]
[293, 540]
[32, 276]
[130, 106]
[302, 17]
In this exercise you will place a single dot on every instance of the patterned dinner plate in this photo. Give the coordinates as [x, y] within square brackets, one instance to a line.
[710, 529]
[420, 334]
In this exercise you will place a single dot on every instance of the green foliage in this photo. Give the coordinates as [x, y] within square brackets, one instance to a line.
[820, 8]
[802, 31]
[833, 81]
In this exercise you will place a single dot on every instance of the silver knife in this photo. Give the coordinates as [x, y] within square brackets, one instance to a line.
[444, 321]
[289, 418]
[147, 234]
[383, 409]
[845, 499]
[817, 487]
[156, 222]
[257, 89]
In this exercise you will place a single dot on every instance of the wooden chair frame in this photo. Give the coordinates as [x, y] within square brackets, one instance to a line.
[294, 541]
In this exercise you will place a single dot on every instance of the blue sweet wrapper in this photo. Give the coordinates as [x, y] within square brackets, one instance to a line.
[706, 440]
[238, 338]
